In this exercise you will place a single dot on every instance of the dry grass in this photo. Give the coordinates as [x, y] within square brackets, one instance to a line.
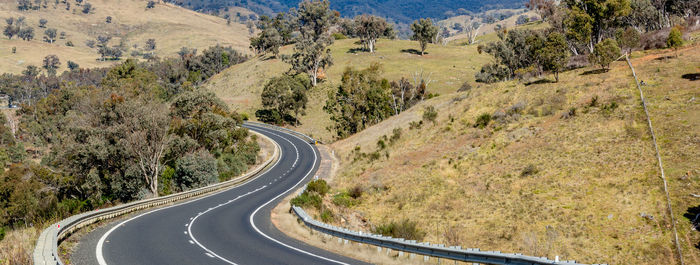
[18, 245]
[595, 175]
[674, 106]
[171, 26]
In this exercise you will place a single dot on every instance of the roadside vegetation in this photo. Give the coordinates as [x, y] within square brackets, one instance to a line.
[93, 138]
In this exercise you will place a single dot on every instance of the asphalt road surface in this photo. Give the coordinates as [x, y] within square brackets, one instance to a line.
[230, 227]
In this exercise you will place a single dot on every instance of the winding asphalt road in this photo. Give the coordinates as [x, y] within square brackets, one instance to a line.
[230, 227]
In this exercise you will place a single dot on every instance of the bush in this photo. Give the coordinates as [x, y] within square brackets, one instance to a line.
[327, 215]
[529, 170]
[343, 199]
[605, 53]
[430, 114]
[491, 73]
[17, 152]
[405, 229]
[482, 121]
[166, 181]
[69, 44]
[338, 36]
[196, 170]
[269, 116]
[2, 233]
[415, 125]
[318, 186]
[355, 192]
[305, 200]
[395, 136]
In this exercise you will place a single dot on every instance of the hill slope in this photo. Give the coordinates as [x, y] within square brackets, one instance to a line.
[171, 26]
[447, 66]
[564, 169]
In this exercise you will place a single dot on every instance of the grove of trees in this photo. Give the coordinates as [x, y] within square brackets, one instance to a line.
[116, 134]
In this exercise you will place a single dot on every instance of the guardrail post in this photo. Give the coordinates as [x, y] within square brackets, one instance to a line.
[426, 258]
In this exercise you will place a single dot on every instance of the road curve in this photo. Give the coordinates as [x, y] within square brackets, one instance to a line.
[230, 227]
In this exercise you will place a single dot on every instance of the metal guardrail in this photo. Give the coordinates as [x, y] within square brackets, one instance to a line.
[300, 135]
[421, 248]
[46, 250]
[426, 249]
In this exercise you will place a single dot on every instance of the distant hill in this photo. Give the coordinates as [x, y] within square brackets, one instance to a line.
[132, 24]
[400, 11]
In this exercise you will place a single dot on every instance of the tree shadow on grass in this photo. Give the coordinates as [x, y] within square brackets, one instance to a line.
[693, 215]
[412, 51]
[269, 57]
[595, 72]
[664, 58]
[691, 77]
[356, 50]
[540, 81]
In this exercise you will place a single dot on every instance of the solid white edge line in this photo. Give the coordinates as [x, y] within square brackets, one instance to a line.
[252, 216]
[100, 243]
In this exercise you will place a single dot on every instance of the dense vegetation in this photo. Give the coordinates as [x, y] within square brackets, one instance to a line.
[400, 11]
[593, 30]
[91, 138]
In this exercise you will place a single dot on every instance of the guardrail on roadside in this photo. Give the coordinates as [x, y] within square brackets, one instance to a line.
[421, 248]
[300, 135]
[426, 249]
[46, 250]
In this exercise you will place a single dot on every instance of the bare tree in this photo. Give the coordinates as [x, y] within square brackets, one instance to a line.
[148, 139]
[472, 30]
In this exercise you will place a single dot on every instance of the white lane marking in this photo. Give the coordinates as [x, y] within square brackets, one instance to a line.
[100, 243]
[252, 216]
[191, 242]
[189, 228]
[209, 254]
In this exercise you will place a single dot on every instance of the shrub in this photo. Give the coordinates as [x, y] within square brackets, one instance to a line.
[415, 125]
[14, 49]
[529, 170]
[2, 233]
[675, 39]
[395, 136]
[605, 53]
[430, 114]
[196, 170]
[305, 200]
[654, 40]
[338, 36]
[327, 215]
[69, 44]
[482, 121]
[491, 73]
[17, 152]
[73, 65]
[355, 192]
[318, 186]
[405, 229]
[343, 199]
[166, 180]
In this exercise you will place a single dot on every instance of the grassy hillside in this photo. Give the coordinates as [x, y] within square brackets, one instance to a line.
[171, 26]
[541, 180]
[448, 66]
